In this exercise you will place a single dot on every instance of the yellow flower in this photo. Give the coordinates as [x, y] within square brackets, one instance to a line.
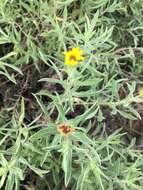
[73, 56]
[141, 92]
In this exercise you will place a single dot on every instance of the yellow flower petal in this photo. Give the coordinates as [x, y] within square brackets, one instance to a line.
[73, 56]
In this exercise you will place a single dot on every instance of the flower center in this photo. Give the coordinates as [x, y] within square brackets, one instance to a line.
[65, 129]
[72, 58]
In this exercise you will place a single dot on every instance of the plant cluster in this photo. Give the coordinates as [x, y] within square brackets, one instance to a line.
[71, 94]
